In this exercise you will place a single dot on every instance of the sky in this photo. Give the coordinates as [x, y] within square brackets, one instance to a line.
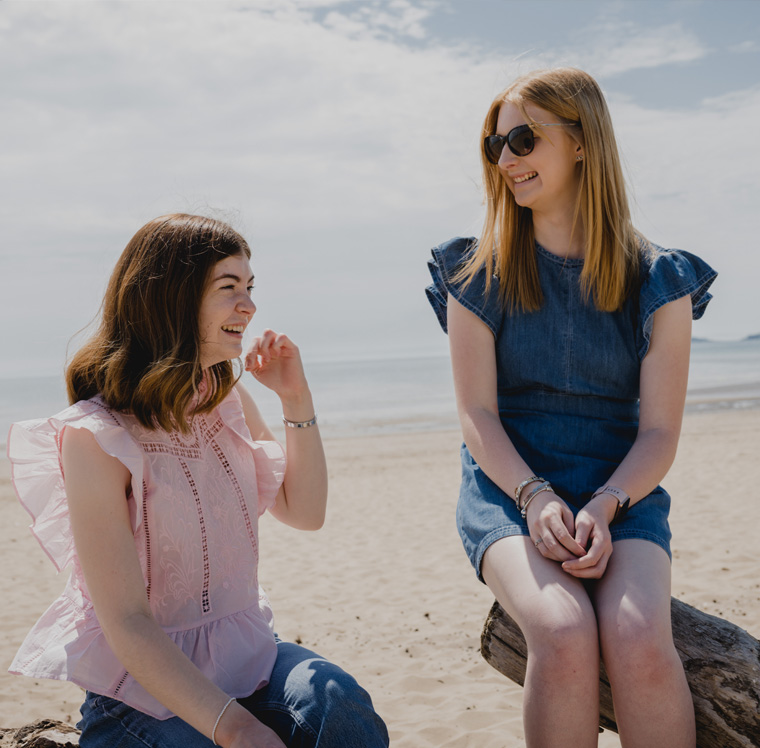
[341, 138]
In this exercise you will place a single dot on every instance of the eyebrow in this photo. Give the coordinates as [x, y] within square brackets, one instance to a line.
[231, 276]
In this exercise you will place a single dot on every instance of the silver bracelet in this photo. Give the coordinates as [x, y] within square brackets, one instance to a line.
[299, 424]
[519, 489]
[218, 719]
[545, 486]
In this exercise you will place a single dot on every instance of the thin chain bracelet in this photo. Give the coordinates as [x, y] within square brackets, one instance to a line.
[218, 720]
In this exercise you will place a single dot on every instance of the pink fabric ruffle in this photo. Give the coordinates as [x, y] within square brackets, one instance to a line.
[67, 643]
[236, 650]
[34, 449]
[269, 456]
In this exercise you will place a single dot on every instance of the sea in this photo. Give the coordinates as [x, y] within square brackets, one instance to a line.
[397, 395]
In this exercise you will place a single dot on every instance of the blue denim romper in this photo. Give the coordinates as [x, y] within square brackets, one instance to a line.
[568, 385]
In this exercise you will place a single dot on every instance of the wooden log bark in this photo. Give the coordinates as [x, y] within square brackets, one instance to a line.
[44, 733]
[721, 660]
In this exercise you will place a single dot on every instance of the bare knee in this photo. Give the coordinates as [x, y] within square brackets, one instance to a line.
[564, 642]
[638, 649]
[552, 609]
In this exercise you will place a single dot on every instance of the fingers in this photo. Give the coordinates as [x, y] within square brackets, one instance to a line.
[567, 540]
[559, 536]
[268, 345]
[557, 544]
[593, 564]
[548, 547]
[552, 531]
[595, 571]
[266, 348]
[582, 532]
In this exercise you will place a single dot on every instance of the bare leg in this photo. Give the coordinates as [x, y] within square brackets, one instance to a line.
[554, 612]
[653, 704]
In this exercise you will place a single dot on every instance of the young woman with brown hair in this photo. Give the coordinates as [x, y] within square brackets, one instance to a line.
[569, 337]
[151, 484]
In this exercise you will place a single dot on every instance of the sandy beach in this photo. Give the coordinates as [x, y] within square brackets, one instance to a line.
[386, 591]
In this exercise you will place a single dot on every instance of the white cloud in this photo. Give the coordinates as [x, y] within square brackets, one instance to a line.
[331, 148]
[243, 94]
[346, 153]
[749, 45]
[697, 187]
[615, 47]
[386, 19]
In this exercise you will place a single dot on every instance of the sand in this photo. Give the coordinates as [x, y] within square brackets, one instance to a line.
[385, 590]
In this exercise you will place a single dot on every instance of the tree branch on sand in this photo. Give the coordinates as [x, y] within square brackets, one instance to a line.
[721, 660]
[44, 733]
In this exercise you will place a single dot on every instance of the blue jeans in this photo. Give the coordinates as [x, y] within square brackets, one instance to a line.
[308, 702]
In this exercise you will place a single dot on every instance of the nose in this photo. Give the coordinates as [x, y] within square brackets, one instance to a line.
[507, 158]
[246, 306]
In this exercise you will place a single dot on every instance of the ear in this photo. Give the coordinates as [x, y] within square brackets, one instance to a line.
[579, 153]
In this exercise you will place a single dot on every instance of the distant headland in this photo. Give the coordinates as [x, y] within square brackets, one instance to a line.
[742, 340]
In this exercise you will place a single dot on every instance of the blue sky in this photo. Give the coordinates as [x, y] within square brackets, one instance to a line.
[341, 139]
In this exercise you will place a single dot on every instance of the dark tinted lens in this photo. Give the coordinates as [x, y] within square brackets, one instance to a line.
[493, 146]
[520, 140]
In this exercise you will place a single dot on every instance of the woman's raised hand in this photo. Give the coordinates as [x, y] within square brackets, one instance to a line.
[276, 362]
[552, 528]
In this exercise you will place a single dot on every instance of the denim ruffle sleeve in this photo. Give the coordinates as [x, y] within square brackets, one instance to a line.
[671, 275]
[448, 258]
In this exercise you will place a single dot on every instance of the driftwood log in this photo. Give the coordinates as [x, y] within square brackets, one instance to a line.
[721, 660]
[44, 733]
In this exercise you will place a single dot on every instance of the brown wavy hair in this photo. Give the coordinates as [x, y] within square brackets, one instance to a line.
[507, 243]
[144, 358]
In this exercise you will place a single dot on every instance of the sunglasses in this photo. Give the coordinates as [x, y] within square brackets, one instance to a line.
[520, 140]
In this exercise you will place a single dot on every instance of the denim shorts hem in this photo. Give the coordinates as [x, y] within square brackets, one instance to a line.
[505, 531]
[622, 534]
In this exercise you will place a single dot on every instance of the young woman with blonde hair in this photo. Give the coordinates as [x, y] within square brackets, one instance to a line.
[569, 337]
[150, 485]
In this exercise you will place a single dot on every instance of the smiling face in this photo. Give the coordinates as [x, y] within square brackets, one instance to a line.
[226, 309]
[548, 178]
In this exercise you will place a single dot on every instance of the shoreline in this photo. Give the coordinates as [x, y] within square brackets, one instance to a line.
[407, 394]
[385, 590]
[743, 397]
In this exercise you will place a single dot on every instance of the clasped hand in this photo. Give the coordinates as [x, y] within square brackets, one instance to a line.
[582, 544]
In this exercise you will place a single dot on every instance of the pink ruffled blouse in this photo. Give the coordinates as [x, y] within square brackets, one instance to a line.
[194, 505]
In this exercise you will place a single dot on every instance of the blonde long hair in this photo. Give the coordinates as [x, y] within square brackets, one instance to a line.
[145, 357]
[507, 246]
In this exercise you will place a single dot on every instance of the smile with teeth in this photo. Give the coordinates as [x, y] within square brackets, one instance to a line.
[525, 177]
[240, 329]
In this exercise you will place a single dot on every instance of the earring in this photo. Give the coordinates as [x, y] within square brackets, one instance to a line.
[579, 158]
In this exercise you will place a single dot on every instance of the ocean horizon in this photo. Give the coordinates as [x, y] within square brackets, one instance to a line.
[407, 394]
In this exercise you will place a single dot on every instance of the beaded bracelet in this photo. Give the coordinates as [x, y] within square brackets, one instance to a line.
[545, 486]
[299, 424]
[519, 489]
